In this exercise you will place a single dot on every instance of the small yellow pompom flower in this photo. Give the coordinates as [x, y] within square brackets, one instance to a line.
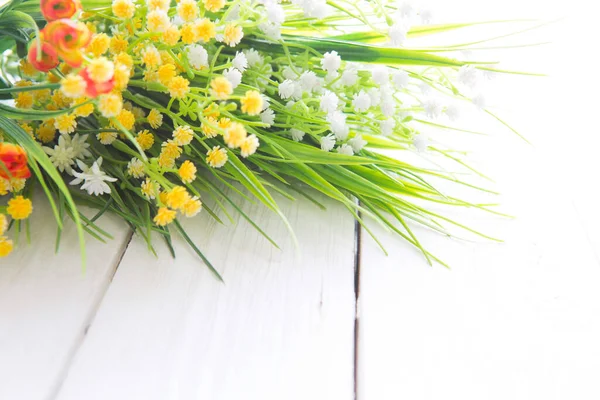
[6, 246]
[17, 184]
[123, 8]
[46, 132]
[211, 111]
[73, 86]
[118, 44]
[127, 119]
[4, 186]
[150, 189]
[213, 5]
[187, 10]
[121, 77]
[220, 88]
[27, 68]
[233, 35]
[157, 21]
[208, 127]
[189, 34]
[177, 197]
[100, 69]
[235, 135]
[65, 123]
[155, 118]
[166, 72]
[217, 157]
[205, 29]
[187, 171]
[19, 207]
[166, 161]
[158, 5]
[224, 123]
[252, 102]
[135, 168]
[145, 139]
[110, 105]
[151, 57]
[42, 95]
[27, 128]
[24, 100]
[125, 59]
[107, 138]
[249, 146]
[179, 87]
[171, 149]
[162, 197]
[191, 207]
[99, 44]
[183, 135]
[171, 35]
[164, 216]
[3, 224]
[82, 110]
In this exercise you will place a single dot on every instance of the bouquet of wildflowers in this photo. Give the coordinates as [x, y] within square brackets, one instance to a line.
[144, 107]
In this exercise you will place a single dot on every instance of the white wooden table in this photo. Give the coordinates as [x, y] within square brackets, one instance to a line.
[518, 320]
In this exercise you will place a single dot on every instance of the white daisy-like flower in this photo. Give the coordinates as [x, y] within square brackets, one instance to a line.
[197, 56]
[240, 62]
[468, 76]
[361, 102]
[61, 156]
[297, 134]
[275, 12]
[357, 143]
[479, 101]
[266, 101]
[433, 108]
[400, 79]
[453, 112]
[375, 95]
[288, 73]
[406, 10]
[329, 101]
[398, 31]
[272, 31]
[387, 126]
[420, 142]
[328, 142]
[268, 117]
[253, 57]
[286, 89]
[308, 81]
[233, 76]
[345, 149]
[331, 61]
[350, 75]
[337, 124]
[381, 75]
[426, 16]
[387, 105]
[135, 168]
[94, 180]
[79, 145]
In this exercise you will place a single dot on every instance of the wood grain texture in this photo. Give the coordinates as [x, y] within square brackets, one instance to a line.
[280, 327]
[47, 301]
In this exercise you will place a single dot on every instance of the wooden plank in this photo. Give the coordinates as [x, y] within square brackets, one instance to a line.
[47, 302]
[280, 327]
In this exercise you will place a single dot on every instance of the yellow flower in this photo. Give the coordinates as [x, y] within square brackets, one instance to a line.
[27, 128]
[46, 131]
[150, 188]
[110, 105]
[189, 34]
[162, 196]
[212, 110]
[121, 77]
[235, 135]
[252, 102]
[187, 10]
[123, 8]
[73, 86]
[171, 149]
[179, 87]
[208, 129]
[125, 59]
[82, 110]
[213, 5]
[17, 184]
[191, 207]
[220, 88]
[157, 21]
[41, 95]
[166, 73]
[217, 157]
[99, 44]
[158, 5]
[171, 35]
[135, 168]
[138, 113]
[100, 69]
[249, 146]
[187, 171]
[155, 118]
[118, 44]
[107, 138]
[151, 57]
[27, 68]
[127, 119]
[177, 197]
[183, 135]
[166, 161]
[4, 186]
[145, 139]
[59, 100]
[205, 29]
[65, 123]
[6, 246]
[19, 207]
[224, 123]
[24, 100]
[233, 35]
[164, 216]
[3, 224]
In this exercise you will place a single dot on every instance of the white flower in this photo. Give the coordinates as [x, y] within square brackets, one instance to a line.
[331, 61]
[468, 76]
[327, 142]
[233, 76]
[79, 146]
[308, 80]
[135, 168]
[197, 56]
[286, 89]
[350, 75]
[275, 12]
[357, 143]
[329, 101]
[375, 95]
[420, 142]
[387, 105]
[425, 88]
[361, 102]
[387, 126]
[400, 79]
[479, 101]
[94, 180]
[250, 145]
[297, 134]
[288, 73]
[253, 57]
[426, 16]
[313, 8]
[432, 108]
[381, 75]
[272, 31]
[266, 101]
[453, 112]
[240, 62]
[337, 124]
[268, 117]
[345, 149]
[62, 156]
[398, 32]
[406, 10]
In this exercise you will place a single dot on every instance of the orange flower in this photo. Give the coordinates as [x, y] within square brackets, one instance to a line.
[13, 162]
[69, 38]
[57, 9]
[94, 89]
[47, 61]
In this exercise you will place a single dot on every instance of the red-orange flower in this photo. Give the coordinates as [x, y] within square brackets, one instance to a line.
[48, 59]
[94, 89]
[57, 9]
[13, 162]
[69, 38]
